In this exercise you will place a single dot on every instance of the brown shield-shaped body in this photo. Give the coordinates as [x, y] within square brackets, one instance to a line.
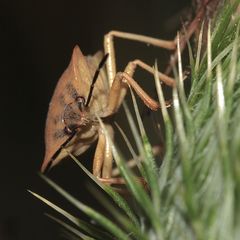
[74, 82]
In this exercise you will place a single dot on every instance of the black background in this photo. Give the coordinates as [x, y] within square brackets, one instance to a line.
[36, 41]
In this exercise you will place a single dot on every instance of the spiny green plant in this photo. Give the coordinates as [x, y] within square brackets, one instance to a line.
[195, 194]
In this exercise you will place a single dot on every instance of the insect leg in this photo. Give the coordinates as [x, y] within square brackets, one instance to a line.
[109, 47]
[102, 162]
[131, 68]
[118, 91]
[108, 156]
[188, 32]
[157, 150]
[99, 155]
[121, 181]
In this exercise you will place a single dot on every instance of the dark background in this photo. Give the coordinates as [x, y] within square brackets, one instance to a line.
[36, 41]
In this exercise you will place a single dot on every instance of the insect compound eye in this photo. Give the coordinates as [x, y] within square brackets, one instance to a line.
[80, 99]
[81, 103]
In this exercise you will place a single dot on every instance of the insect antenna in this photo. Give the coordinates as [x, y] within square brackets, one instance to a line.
[101, 64]
[58, 152]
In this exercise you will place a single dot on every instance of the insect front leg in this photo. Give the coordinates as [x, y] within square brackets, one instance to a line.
[99, 155]
[119, 88]
[108, 157]
[102, 162]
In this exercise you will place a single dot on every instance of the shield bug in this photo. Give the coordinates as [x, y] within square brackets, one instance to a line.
[86, 88]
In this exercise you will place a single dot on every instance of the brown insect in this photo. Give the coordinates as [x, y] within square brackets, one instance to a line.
[87, 88]
[84, 91]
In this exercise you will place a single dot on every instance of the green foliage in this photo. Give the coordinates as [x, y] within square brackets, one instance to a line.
[196, 192]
